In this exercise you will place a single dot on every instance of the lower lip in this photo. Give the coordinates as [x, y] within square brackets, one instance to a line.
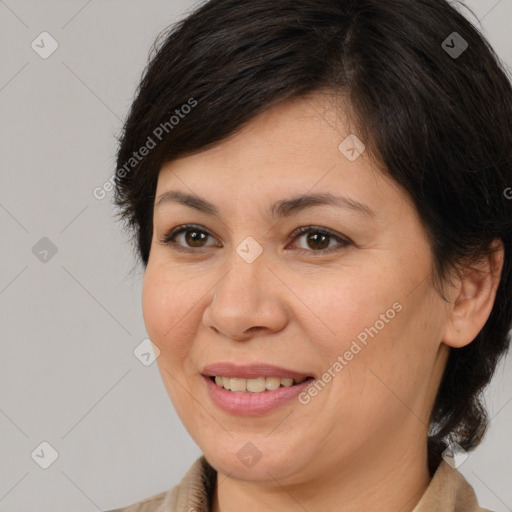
[253, 404]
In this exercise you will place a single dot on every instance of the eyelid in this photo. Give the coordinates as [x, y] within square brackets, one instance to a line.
[319, 229]
[343, 241]
[183, 228]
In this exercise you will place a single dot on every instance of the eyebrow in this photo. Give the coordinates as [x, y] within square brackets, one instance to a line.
[280, 209]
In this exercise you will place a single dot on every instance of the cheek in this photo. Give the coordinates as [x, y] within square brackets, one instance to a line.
[375, 324]
[353, 306]
[154, 306]
[168, 311]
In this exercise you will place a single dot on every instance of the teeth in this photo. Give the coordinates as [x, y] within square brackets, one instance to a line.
[254, 385]
[237, 384]
[258, 385]
[272, 383]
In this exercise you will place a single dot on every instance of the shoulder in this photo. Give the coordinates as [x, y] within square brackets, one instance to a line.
[449, 491]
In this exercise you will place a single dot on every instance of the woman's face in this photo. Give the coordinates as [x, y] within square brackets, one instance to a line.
[349, 302]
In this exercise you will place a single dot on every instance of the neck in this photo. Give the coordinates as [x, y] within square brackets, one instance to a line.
[383, 485]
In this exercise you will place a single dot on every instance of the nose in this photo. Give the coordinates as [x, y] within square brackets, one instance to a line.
[247, 301]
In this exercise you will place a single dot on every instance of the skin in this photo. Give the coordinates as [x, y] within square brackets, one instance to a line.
[299, 308]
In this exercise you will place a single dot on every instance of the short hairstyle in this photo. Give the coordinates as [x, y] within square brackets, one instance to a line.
[427, 94]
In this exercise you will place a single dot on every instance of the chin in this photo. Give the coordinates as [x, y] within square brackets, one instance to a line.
[256, 461]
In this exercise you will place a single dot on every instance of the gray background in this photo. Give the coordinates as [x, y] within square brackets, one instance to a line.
[70, 324]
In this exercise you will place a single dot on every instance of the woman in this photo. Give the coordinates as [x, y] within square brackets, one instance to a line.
[318, 194]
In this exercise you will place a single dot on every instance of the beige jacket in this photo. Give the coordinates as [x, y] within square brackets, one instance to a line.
[448, 491]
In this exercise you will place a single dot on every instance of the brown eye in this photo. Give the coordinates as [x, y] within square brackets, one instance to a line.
[319, 239]
[187, 237]
[195, 238]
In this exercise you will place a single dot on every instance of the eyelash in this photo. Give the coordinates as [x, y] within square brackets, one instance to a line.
[168, 238]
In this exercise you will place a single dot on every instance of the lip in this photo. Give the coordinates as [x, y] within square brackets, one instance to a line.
[251, 371]
[253, 404]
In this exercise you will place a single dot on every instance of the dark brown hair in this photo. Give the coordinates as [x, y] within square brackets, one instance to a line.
[430, 100]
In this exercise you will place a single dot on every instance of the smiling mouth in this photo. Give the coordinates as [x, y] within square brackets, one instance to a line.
[257, 385]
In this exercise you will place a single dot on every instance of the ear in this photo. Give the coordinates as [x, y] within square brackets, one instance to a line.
[472, 298]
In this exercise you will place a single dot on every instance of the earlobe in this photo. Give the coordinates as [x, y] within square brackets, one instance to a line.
[474, 298]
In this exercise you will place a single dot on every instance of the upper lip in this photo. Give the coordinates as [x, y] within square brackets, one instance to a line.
[251, 371]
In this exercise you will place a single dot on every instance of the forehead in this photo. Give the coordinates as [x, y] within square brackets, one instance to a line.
[296, 147]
